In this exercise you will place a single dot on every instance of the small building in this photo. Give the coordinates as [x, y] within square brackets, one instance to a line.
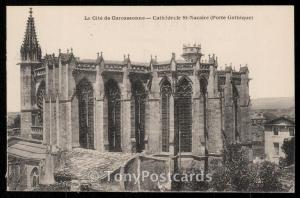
[25, 159]
[276, 131]
[257, 133]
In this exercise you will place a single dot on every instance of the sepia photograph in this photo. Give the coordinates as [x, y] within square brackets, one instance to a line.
[150, 98]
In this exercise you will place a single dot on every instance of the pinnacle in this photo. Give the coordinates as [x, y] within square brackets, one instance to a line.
[30, 43]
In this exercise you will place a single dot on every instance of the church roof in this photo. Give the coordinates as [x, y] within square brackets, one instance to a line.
[183, 62]
[114, 62]
[26, 149]
[140, 64]
[80, 163]
[88, 61]
[167, 62]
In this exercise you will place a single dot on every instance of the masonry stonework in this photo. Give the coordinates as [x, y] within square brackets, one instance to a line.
[206, 107]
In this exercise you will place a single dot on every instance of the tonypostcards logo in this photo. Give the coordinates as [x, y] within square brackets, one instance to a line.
[154, 177]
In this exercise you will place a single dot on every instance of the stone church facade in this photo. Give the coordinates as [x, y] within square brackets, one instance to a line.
[186, 105]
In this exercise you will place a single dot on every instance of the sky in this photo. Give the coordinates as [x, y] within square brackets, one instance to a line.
[265, 44]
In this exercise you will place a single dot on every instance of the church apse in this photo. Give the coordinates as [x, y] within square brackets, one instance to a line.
[184, 104]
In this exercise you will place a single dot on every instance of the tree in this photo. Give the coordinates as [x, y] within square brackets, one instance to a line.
[238, 174]
[220, 179]
[235, 171]
[237, 163]
[269, 177]
[288, 147]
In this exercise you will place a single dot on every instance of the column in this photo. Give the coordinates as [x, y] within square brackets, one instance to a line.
[126, 124]
[153, 131]
[171, 129]
[214, 125]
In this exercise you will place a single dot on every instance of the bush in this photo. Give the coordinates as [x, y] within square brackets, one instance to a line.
[282, 162]
[269, 177]
[288, 147]
[237, 163]
[237, 174]
[220, 179]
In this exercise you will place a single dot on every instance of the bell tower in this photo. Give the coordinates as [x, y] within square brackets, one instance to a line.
[30, 59]
[191, 53]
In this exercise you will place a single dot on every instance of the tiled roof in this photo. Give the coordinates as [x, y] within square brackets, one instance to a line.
[114, 62]
[167, 62]
[87, 61]
[80, 163]
[274, 121]
[26, 149]
[140, 64]
[182, 62]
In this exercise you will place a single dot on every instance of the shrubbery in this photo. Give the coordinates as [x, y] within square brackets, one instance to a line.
[238, 174]
[288, 147]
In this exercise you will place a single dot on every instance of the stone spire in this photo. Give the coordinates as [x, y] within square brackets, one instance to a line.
[30, 49]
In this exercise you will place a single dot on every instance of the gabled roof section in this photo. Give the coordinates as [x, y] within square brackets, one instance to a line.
[279, 120]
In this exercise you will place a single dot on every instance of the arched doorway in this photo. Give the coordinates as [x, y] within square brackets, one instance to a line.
[165, 91]
[114, 115]
[39, 102]
[86, 114]
[139, 99]
[34, 177]
[183, 116]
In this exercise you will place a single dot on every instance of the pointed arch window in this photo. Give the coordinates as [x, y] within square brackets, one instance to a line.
[139, 99]
[39, 102]
[235, 99]
[114, 117]
[183, 116]
[203, 103]
[86, 114]
[34, 176]
[165, 91]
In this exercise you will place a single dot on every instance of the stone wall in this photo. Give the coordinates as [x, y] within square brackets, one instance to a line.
[61, 120]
